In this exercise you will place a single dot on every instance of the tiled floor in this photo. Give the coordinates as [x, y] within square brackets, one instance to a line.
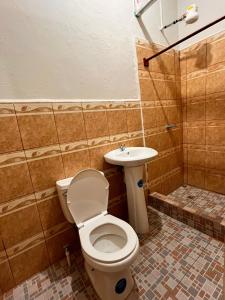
[175, 262]
[209, 203]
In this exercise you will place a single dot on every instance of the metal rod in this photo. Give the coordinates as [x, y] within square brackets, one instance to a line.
[140, 11]
[146, 60]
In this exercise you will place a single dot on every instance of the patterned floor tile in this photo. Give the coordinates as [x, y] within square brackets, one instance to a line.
[175, 261]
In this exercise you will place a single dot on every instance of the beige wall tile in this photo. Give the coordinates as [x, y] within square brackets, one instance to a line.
[215, 81]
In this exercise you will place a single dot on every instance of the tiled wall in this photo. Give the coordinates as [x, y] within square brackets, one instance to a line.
[161, 105]
[40, 144]
[203, 97]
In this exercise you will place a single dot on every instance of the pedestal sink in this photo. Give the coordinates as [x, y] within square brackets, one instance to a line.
[133, 160]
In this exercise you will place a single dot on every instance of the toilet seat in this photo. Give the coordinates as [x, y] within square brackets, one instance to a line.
[104, 238]
[121, 234]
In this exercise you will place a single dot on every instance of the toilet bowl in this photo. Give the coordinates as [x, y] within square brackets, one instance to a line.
[109, 245]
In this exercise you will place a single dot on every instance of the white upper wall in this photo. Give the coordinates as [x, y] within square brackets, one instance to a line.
[209, 10]
[75, 49]
[148, 25]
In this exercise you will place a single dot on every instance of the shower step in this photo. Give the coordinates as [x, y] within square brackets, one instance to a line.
[213, 226]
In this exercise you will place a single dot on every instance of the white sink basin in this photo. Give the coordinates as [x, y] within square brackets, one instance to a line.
[131, 156]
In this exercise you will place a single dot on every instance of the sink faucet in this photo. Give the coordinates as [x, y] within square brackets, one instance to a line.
[122, 147]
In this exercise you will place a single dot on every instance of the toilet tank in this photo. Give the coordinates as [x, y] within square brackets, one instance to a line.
[62, 187]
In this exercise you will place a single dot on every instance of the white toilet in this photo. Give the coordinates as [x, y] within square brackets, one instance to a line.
[109, 245]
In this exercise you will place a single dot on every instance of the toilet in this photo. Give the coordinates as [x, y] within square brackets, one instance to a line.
[109, 245]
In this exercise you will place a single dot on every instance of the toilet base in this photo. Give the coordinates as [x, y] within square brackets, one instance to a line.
[111, 285]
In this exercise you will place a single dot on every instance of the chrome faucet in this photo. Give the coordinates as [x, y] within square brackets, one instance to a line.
[122, 147]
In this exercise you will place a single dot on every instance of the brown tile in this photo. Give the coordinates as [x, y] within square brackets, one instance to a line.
[37, 130]
[45, 172]
[20, 225]
[154, 169]
[134, 120]
[215, 183]
[196, 86]
[196, 157]
[70, 127]
[172, 183]
[141, 53]
[97, 156]
[6, 277]
[29, 262]
[152, 141]
[50, 212]
[196, 177]
[215, 135]
[196, 111]
[215, 82]
[14, 182]
[216, 52]
[215, 107]
[55, 245]
[119, 210]
[135, 142]
[149, 117]
[170, 162]
[148, 91]
[75, 161]
[116, 185]
[196, 57]
[195, 135]
[117, 121]
[170, 139]
[170, 90]
[9, 135]
[215, 160]
[96, 124]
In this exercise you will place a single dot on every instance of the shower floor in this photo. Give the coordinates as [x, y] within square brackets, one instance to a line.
[202, 201]
[201, 209]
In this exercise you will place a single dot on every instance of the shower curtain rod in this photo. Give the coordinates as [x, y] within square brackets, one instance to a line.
[146, 60]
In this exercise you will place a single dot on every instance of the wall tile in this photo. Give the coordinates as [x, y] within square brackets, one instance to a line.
[196, 57]
[55, 244]
[96, 124]
[215, 81]
[196, 177]
[6, 277]
[20, 225]
[215, 183]
[70, 126]
[117, 121]
[45, 172]
[196, 86]
[37, 130]
[75, 161]
[215, 106]
[50, 212]
[215, 135]
[216, 52]
[134, 120]
[196, 110]
[9, 133]
[29, 262]
[14, 182]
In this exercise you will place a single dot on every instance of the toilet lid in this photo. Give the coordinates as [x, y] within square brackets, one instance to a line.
[87, 195]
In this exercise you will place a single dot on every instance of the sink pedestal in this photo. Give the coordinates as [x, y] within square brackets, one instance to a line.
[137, 209]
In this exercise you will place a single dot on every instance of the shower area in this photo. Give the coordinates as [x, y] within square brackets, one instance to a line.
[183, 107]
